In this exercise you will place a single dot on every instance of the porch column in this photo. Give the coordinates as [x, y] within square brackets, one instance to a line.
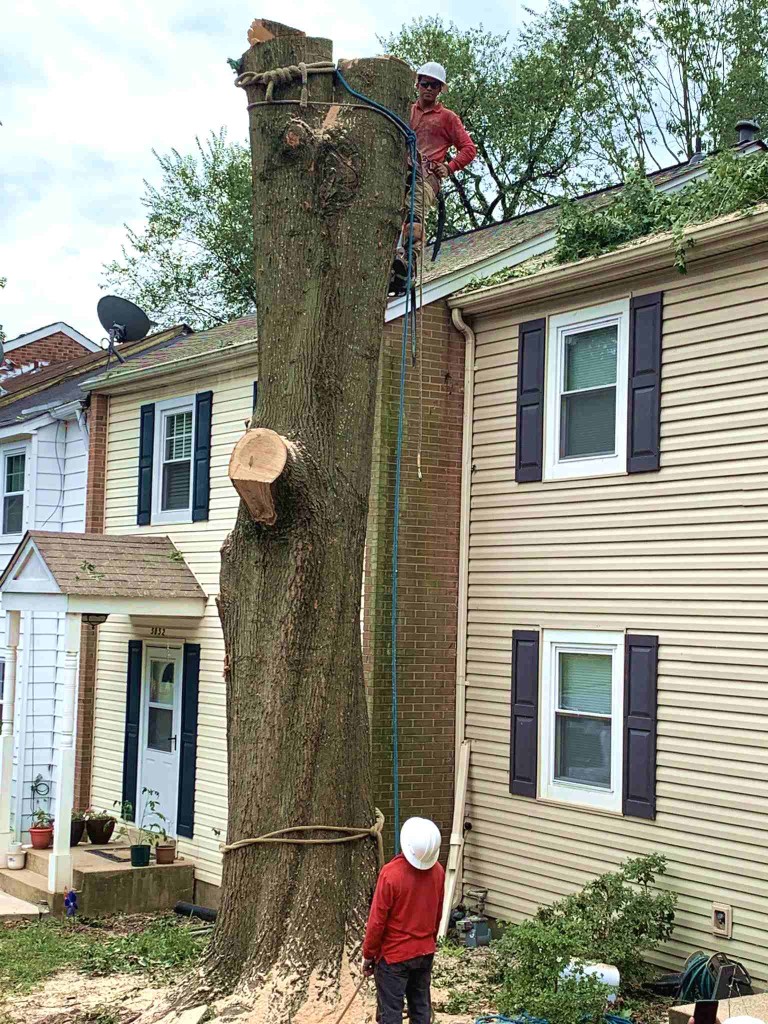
[7, 834]
[60, 862]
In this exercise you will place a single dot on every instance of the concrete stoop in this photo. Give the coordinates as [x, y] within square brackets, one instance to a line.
[105, 882]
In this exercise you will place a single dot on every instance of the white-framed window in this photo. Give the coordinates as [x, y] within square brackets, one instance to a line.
[586, 392]
[14, 477]
[582, 718]
[174, 446]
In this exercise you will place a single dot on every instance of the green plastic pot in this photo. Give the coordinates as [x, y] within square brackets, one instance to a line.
[140, 856]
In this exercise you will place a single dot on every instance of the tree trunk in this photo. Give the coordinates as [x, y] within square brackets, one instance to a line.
[328, 191]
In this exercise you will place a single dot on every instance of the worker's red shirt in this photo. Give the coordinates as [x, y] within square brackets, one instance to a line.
[405, 913]
[439, 129]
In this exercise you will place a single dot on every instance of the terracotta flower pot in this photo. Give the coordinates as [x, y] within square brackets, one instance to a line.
[165, 853]
[41, 837]
[140, 856]
[100, 830]
[76, 831]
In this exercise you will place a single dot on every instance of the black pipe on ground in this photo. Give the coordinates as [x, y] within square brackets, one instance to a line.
[192, 910]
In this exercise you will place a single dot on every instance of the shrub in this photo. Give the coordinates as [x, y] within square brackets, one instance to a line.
[615, 919]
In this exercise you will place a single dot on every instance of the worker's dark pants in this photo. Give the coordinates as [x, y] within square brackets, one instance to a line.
[408, 982]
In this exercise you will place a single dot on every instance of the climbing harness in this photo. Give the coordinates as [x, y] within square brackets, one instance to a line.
[301, 72]
[350, 835]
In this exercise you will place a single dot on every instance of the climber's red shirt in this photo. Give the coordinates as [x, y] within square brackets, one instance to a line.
[439, 129]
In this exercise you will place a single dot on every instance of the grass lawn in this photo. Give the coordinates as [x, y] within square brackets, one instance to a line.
[31, 952]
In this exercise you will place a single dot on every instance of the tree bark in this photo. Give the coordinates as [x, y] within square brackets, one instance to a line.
[328, 187]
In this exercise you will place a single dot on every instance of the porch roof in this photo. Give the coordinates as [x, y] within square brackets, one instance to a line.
[97, 573]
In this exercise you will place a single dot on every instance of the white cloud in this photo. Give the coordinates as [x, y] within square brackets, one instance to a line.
[90, 88]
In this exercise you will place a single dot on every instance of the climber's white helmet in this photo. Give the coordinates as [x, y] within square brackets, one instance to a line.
[420, 842]
[432, 70]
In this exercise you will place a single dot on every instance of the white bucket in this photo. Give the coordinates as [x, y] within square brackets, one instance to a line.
[17, 857]
[606, 973]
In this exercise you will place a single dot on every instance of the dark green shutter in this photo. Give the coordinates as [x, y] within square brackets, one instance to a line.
[185, 825]
[640, 672]
[529, 439]
[524, 722]
[201, 482]
[146, 453]
[132, 720]
[644, 393]
[255, 394]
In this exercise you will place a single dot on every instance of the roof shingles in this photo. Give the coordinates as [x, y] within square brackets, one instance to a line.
[98, 565]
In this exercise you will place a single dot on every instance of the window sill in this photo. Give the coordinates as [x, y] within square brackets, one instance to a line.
[580, 806]
[581, 470]
[171, 518]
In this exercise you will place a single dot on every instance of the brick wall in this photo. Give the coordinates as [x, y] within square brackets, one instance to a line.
[55, 348]
[94, 523]
[427, 572]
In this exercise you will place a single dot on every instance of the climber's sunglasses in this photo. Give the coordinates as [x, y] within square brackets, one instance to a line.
[428, 84]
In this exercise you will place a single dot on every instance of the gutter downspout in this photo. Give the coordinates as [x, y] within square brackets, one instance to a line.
[466, 483]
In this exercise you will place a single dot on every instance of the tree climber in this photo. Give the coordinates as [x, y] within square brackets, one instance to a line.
[438, 130]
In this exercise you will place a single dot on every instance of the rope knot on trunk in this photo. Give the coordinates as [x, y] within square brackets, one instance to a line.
[284, 76]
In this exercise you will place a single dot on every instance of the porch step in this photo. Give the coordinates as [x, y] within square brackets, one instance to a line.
[12, 909]
[31, 887]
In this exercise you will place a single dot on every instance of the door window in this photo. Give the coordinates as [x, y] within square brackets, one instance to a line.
[162, 685]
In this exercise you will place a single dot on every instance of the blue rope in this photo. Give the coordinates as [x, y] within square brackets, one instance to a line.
[410, 138]
[526, 1018]
[697, 981]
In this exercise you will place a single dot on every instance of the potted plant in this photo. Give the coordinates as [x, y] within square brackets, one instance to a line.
[41, 830]
[77, 827]
[165, 850]
[149, 827]
[99, 825]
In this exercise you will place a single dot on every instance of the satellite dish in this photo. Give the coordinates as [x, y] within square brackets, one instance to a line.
[122, 320]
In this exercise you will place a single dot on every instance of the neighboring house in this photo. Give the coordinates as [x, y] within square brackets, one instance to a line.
[613, 671]
[55, 343]
[44, 423]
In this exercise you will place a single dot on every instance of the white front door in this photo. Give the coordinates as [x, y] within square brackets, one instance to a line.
[161, 719]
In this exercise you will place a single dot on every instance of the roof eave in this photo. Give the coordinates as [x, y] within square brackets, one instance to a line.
[640, 257]
[183, 366]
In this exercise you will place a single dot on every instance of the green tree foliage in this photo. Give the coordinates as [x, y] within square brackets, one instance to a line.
[193, 260]
[587, 93]
[616, 919]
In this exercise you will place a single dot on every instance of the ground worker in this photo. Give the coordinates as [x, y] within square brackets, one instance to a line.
[438, 130]
[401, 935]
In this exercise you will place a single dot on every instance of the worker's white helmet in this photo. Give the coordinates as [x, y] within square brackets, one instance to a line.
[420, 842]
[432, 70]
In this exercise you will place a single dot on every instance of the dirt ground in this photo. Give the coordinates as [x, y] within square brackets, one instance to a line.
[69, 997]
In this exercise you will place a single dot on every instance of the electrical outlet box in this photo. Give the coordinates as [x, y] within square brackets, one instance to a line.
[722, 920]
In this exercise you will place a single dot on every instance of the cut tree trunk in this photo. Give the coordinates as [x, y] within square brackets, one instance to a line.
[328, 183]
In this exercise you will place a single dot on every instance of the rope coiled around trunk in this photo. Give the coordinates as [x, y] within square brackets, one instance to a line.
[350, 835]
[284, 76]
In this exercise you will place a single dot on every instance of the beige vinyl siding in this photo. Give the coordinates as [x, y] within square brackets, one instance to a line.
[682, 554]
[200, 544]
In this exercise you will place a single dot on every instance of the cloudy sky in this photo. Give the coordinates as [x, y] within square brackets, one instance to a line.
[89, 88]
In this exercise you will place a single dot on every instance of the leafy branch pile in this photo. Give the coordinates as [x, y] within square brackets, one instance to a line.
[616, 919]
[732, 184]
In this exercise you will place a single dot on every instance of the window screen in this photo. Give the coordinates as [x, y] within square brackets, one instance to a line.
[588, 398]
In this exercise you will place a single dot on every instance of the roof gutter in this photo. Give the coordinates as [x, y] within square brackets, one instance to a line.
[737, 231]
[130, 375]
